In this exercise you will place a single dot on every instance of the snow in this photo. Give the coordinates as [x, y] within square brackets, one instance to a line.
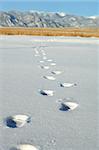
[62, 14]
[20, 81]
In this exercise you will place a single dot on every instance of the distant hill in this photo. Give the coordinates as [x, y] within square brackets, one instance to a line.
[45, 20]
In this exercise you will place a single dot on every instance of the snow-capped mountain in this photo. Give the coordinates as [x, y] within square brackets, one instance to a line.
[93, 17]
[45, 19]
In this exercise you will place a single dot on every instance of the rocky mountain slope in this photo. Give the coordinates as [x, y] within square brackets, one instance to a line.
[45, 19]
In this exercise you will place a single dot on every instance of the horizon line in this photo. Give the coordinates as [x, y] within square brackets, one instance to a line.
[44, 11]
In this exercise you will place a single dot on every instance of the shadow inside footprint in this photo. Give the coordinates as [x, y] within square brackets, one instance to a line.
[64, 107]
[43, 93]
[10, 122]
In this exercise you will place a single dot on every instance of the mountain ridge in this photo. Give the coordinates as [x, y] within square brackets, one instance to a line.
[42, 19]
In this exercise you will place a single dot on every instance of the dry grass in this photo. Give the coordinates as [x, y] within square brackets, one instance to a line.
[83, 32]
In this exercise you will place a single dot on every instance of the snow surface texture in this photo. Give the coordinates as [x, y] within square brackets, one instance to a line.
[21, 78]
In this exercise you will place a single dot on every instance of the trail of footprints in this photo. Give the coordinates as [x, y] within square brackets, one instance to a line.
[18, 121]
[64, 104]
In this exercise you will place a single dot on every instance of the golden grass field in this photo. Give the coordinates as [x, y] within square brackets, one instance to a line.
[82, 32]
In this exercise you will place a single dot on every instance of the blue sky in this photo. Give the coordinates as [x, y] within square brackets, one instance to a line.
[81, 7]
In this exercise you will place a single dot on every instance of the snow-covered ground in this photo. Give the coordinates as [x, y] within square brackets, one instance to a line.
[23, 62]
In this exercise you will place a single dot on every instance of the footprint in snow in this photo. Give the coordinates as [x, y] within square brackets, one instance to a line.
[36, 52]
[67, 105]
[42, 51]
[43, 54]
[57, 72]
[44, 67]
[24, 147]
[67, 85]
[53, 64]
[17, 121]
[49, 60]
[41, 61]
[49, 77]
[47, 92]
